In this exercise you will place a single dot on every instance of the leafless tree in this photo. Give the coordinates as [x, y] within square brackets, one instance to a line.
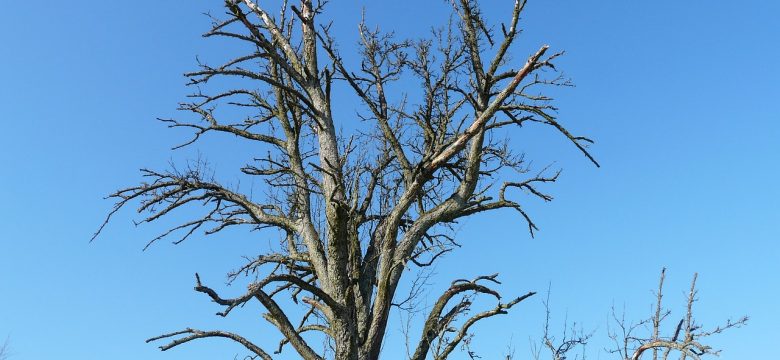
[355, 209]
[685, 341]
[563, 347]
[5, 350]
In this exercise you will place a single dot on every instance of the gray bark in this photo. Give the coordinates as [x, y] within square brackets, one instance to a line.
[357, 211]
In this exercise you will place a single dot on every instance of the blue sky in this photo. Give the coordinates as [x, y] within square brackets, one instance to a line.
[681, 98]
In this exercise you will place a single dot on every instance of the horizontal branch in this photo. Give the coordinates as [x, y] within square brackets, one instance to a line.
[199, 334]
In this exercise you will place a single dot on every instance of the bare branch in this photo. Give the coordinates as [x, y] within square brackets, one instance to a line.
[193, 334]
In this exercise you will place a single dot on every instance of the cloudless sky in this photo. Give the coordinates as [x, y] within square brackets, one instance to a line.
[680, 96]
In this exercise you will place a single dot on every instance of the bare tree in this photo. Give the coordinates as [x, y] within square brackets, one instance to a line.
[636, 340]
[354, 210]
[560, 348]
[685, 341]
[5, 350]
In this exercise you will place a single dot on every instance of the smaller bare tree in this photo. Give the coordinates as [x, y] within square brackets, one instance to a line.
[563, 346]
[5, 350]
[686, 341]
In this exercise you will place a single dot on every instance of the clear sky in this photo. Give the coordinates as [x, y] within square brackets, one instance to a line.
[681, 97]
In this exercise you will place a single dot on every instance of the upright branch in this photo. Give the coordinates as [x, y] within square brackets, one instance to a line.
[685, 340]
[353, 209]
[560, 348]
